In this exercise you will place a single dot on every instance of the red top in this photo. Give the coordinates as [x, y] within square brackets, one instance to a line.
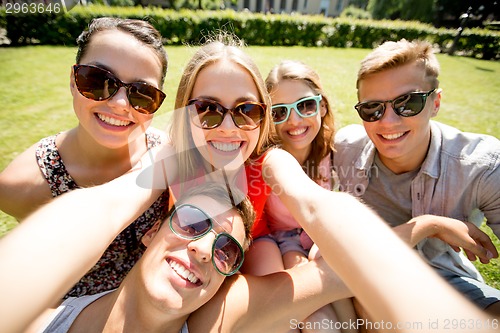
[258, 192]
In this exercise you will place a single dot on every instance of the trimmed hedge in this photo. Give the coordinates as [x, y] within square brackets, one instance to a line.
[184, 26]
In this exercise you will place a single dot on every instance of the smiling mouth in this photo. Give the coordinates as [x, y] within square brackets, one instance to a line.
[226, 146]
[392, 136]
[113, 121]
[183, 272]
[297, 131]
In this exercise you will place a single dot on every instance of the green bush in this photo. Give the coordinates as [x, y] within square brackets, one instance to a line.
[187, 26]
[121, 3]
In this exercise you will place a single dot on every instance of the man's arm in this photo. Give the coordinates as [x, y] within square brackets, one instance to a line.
[489, 195]
[457, 234]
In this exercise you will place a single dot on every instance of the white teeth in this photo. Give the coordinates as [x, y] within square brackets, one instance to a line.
[297, 131]
[224, 146]
[182, 271]
[392, 136]
[113, 121]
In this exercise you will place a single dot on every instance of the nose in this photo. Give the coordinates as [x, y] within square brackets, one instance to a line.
[389, 115]
[227, 123]
[294, 117]
[202, 248]
[120, 100]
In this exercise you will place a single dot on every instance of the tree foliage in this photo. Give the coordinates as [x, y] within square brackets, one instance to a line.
[385, 9]
[418, 10]
[437, 12]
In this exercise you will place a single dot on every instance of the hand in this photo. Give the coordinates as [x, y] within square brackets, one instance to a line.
[157, 168]
[459, 235]
[314, 252]
[474, 242]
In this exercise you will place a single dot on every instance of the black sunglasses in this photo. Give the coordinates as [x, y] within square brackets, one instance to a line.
[98, 84]
[190, 222]
[407, 105]
[210, 114]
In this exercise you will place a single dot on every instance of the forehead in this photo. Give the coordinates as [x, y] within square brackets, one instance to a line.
[130, 59]
[226, 82]
[392, 82]
[288, 91]
[222, 213]
[208, 204]
[115, 40]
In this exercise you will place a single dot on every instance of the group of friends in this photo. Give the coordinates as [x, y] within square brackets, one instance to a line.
[251, 213]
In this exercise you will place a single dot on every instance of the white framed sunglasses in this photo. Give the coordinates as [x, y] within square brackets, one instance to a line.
[305, 107]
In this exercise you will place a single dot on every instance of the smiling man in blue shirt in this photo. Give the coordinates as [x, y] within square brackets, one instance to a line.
[419, 174]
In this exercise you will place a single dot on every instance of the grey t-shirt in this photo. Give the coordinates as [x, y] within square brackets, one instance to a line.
[390, 194]
[68, 311]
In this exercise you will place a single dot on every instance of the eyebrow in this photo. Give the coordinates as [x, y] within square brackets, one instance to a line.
[236, 102]
[304, 97]
[100, 65]
[220, 224]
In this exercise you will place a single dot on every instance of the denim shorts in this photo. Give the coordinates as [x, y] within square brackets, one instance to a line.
[478, 292]
[287, 240]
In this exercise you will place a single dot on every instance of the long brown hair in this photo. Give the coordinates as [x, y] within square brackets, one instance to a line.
[322, 144]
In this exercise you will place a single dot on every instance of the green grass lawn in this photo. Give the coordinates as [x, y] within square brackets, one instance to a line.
[34, 90]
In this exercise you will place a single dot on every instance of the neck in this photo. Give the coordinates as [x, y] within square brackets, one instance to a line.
[125, 310]
[96, 153]
[405, 164]
[299, 154]
[232, 179]
[90, 163]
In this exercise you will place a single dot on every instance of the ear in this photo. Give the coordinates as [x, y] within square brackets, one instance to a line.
[322, 109]
[151, 233]
[436, 103]
[72, 83]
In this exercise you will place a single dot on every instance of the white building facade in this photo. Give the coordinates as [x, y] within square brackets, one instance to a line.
[312, 7]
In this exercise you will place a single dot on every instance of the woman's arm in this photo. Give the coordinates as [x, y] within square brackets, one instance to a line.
[271, 303]
[378, 267]
[22, 186]
[47, 254]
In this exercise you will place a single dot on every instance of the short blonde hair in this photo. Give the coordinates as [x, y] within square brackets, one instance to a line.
[395, 54]
[322, 144]
[221, 47]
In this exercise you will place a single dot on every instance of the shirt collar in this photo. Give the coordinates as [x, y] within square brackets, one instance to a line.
[432, 163]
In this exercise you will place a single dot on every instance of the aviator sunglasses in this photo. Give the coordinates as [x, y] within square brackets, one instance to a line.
[98, 84]
[407, 105]
[305, 107]
[190, 222]
[210, 114]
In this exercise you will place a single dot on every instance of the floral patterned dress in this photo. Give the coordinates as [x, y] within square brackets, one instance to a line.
[127, 248]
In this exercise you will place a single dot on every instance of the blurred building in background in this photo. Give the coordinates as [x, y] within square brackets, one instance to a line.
[331, 8]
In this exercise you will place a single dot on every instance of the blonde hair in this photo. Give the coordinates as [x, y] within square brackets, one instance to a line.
[322, 144]
[222, 46]
[396, 54]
